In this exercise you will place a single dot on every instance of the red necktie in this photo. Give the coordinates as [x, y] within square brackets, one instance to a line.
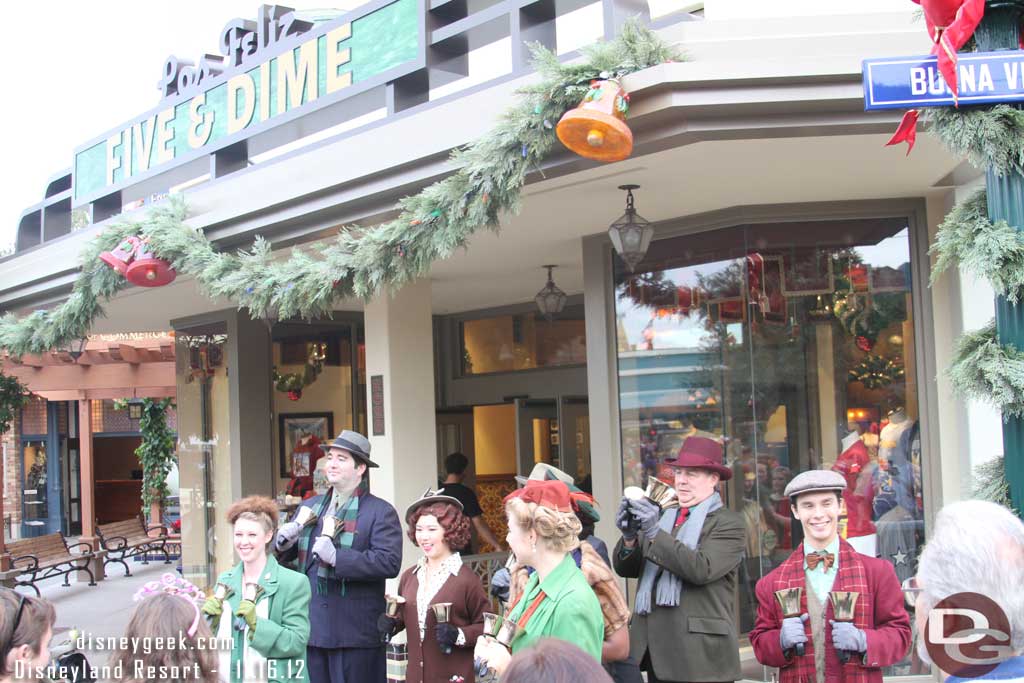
[681, 517]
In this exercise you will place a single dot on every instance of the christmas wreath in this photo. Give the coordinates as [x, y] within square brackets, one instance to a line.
[875, 372]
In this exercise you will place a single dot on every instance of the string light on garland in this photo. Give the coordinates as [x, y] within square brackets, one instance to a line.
[875, 372]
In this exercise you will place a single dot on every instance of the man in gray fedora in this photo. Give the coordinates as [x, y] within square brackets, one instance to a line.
[347, 570]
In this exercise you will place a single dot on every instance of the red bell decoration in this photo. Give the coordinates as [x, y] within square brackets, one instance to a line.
[147, 270]
[597, 129]
[122, 255]
[295, 394]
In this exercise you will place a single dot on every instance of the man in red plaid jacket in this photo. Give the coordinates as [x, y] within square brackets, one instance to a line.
[879, 634]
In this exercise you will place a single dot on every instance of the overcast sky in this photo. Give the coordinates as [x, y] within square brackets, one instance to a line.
[77, 69]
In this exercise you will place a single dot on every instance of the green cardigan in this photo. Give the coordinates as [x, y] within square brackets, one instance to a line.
[282, 637]
[569, 611]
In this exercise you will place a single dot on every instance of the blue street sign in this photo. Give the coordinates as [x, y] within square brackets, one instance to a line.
[909, 82]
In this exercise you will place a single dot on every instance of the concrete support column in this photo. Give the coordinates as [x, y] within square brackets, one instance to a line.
[87, 487]
[400, 397]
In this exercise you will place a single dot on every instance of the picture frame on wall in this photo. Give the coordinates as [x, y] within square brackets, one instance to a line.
[294, 429]
[807, 273]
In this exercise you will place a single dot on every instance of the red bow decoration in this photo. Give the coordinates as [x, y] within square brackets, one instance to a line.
[951, 23]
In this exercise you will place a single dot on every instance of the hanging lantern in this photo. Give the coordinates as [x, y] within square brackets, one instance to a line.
[596, 129]
[122, 255]
[550, 300]
[147, 270]
[631, 234]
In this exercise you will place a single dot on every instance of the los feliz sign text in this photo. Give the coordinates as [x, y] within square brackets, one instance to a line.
[216, 106]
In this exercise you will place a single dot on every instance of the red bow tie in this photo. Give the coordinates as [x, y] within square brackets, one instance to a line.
[821, 557]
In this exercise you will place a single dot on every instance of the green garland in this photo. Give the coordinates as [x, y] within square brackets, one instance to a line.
[430, 227]
[989, 482]
[984, 369]
[988, 136]
[994, 251]
[13, 395]
[157, 451]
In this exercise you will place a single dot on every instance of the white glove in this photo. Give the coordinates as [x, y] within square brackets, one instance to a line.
[287, 534]
[324, 549]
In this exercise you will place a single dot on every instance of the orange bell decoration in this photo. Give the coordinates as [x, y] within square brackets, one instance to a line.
[122, 255]
[597, 129]
[149, 271]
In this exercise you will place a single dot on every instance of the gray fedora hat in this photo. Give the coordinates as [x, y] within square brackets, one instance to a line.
[356, 444]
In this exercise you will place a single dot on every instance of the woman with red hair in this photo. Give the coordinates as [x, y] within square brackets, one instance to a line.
[439, 652]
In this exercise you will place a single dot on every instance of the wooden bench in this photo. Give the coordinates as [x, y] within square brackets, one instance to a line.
[129, 538]
[41, 557]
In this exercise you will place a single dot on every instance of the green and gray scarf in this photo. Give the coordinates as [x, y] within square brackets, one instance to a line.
[346, 514]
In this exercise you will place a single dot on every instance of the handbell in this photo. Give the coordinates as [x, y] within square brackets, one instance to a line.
[330, 527]
[222, 591]
[507, 632]
[596, 129]
[661, 494]
[789, 603]
[442, 611]
[252, 592]
[392, 605]
[305, 516]
[843, 604]
[492, 622]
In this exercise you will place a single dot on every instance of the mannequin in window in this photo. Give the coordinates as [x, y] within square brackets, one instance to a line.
[854, 463]
[304, 458]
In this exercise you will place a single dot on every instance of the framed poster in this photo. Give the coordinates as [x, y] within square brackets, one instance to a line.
[807, 273]
[296, 432]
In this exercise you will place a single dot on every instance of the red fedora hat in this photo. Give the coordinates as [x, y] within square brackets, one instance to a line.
[699, 451]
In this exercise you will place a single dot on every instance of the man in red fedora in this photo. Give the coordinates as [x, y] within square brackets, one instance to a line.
[687, 560]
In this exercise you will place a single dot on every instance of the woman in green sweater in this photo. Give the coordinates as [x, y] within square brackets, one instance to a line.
[269, 625]
[557, 601]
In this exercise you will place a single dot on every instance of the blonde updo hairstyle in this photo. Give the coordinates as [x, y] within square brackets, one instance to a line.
[557, 531]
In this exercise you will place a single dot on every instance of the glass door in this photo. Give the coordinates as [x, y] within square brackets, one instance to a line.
[574, 439]
[538, 438]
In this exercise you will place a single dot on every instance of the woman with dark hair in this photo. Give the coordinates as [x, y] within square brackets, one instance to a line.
[552, 660]
[267, 615]
[438, 651]
[26, 626]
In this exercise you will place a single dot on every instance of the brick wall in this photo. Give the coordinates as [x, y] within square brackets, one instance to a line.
[11, 448]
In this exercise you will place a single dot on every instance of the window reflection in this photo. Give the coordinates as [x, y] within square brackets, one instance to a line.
[793, 345]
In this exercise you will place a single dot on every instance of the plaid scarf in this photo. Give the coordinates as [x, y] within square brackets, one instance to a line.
[347, 515]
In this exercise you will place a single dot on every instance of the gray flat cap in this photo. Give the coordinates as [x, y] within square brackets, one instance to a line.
[815, 480]
[356, 444]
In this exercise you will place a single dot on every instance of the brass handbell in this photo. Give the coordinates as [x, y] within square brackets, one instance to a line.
[507, 632]
[843, 604]
[492, 622]
[305, 516]
[392, 605]
[661, 494]
[222, 591]
[252, 592]
[330, 527]
[789, 603]
[442, 611]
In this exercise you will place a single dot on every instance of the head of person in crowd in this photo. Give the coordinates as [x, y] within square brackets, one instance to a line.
[26, 627]
[254, 521]
[552, 660]
[542, 522]
[976, 547]
[780, 478]
[347, 461]
[455, 465]
[697, 469]
[814, 497]
[437, 525]
[171, 616]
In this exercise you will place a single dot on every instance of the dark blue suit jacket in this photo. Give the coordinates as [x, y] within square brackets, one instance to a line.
[350, 620]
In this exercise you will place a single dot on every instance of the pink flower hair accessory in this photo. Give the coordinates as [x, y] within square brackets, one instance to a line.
[174, 585]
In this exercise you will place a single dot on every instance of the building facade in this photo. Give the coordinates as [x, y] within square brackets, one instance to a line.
[783, 306]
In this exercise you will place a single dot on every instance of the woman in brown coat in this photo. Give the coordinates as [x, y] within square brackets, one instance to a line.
[438, 652]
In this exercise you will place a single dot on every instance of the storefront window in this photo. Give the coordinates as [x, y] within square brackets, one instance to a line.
[793, 345]
[523, 342]
[203, 447]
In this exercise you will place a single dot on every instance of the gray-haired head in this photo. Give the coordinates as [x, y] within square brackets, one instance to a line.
[976, 547]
